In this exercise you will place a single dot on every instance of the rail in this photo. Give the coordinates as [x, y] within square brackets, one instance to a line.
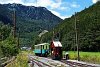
[39, 63]
[78, 64]
[7, 62]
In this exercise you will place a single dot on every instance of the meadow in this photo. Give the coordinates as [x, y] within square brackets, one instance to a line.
[22, 58]
[91, 57]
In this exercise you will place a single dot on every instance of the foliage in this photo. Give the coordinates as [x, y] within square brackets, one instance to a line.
[9, 48]
[8, 45]
[4, 31]
[20, 61]
[88, 27]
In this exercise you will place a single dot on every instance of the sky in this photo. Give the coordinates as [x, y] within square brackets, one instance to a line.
[61, 8]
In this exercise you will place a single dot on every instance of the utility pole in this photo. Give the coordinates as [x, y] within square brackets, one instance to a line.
[18, 37]
[2, 37]
[76, 37]
[53, 34]
[36, 10]
[14, 23]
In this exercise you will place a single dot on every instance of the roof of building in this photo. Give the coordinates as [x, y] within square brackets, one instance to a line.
[57, 43]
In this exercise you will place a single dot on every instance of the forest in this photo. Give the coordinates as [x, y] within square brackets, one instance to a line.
[88, 30]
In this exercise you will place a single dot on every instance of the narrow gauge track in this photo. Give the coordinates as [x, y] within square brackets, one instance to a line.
[39, 63]
[76, 64]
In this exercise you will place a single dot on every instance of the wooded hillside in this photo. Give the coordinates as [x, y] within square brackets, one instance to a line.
[88, 27]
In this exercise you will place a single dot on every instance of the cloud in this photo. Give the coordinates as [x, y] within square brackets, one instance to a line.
[94, 1]
[53, 4]
[44, 3]
[57, 5]
[59, 15]
[10, 1]
[75, 5]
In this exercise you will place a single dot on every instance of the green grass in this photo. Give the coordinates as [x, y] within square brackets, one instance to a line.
[92, 57]
[20, 61]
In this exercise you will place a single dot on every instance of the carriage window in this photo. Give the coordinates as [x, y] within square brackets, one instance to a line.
[35, 47]
[38, 47]
[43, 46]
[46, 46]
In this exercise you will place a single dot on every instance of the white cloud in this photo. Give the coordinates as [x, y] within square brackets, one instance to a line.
[10, 1]
[52, 4]
[74, 5]
[66, 16]
[44, 3]
[55, 5]
[59, 15]
[58, 0]
[56, 13]
[94, 1]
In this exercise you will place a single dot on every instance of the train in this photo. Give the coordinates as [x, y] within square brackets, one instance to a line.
[42, 49]
[54, 49]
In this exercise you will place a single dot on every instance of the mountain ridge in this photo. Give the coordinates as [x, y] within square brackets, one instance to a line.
[30, 20]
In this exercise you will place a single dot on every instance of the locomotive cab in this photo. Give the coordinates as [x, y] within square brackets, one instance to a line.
[56, 50]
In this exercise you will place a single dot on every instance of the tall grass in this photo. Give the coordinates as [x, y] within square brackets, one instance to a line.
[20, 61]
[91, 57]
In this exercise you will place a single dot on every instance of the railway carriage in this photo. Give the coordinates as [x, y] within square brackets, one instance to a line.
[42, 49]
[54, 49]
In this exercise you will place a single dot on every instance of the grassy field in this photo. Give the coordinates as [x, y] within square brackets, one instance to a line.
[21, 60]
[92, 57]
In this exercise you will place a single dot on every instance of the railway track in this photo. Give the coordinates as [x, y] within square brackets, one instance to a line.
[40, 64]
[45, 62]
[77, 64]
[48, 62]
[36, 63]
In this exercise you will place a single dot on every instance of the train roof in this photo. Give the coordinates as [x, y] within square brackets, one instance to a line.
[41, 44]
[57, 43]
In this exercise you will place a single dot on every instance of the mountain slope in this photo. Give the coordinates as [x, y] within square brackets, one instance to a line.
[30, 20]
[88, 26]
[38, 15]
